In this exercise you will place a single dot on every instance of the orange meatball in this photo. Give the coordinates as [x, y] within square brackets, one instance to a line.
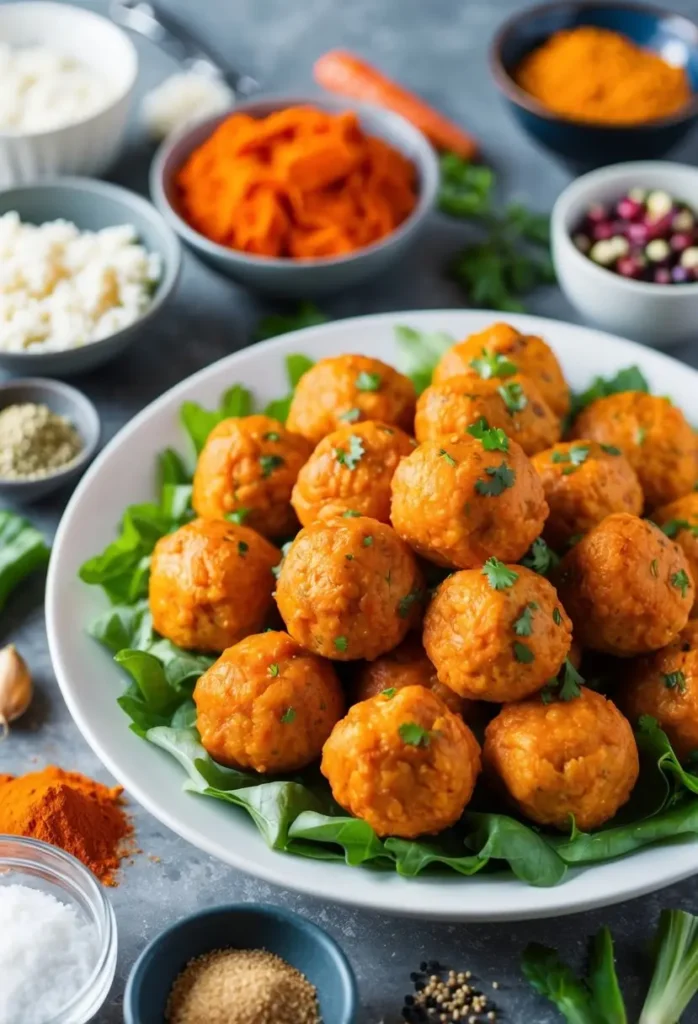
[652, 434]
[679, 520]
[457, 503]
[403, 763]
[407, 665]
[351, 469]
[567, 759]
[665, 686]
[249, 465]
[626, 587]
[344, 389]
[211, 584]
[267, 704]
[499, 351]
[584, 482]
[514, 405]
[349, 588]
[498, 633]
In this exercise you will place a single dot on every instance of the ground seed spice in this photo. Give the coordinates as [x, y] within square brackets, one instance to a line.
[69, 810]
[241, 986]
[35, 442]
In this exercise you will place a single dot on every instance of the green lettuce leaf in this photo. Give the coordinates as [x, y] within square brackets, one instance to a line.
[22, 551]
[419, 352]
[629, 379]
[296, 366]
[358, 840]
[528, 853]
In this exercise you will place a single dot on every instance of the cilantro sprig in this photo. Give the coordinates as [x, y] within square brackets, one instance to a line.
[501, 477]
[493, 364]
[351, 456]
[499, 576]
[492, 438]
[567, 685]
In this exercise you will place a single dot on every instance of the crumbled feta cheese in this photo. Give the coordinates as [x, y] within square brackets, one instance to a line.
[62, 288]
[41, 90]
[183, 97]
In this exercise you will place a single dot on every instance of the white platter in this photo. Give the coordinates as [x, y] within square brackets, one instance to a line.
[90, 681]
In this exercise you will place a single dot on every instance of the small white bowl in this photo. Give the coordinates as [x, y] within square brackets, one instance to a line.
[87, 146]
[659, 315]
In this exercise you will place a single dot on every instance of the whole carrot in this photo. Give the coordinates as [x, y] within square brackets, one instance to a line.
[343, 72]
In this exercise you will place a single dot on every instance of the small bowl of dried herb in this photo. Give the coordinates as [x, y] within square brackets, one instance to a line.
[246, 963]
[49, 432]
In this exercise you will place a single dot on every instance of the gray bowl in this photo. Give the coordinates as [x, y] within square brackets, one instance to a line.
[300, 278]
[93, 205]
[66, 401]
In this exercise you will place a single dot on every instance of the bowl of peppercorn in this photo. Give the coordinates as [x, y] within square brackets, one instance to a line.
[625, 249]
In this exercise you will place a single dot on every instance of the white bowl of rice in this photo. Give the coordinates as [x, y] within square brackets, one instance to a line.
[66, 80]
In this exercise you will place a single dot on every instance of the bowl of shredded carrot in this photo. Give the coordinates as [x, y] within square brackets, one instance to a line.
[596, 81]
[297, 196]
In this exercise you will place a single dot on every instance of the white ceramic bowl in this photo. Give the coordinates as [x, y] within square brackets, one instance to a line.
[88, 146]
[654, 314]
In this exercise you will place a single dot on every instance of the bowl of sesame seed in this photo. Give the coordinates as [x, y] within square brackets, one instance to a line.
[49, 432]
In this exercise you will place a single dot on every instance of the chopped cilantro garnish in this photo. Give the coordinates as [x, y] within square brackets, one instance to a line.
[566, 688]
[447, 458]
[238, 516]
[405, 603]
[577, 454]
[341, 644]
[288, 715]
[640, 435]
[611, 449]
[540, 558]
[351, 415]
[350, 458]
[493, 364]
[513, 396]
[389, 692]
[415, 735]
[243, 548]
[674, 680]
[368, 381]
[272, 435]
[681, 581]
[557, 617]
[523, 626]
[499, 576]
[367, 541]
[269, 463]
[351, 513]
[273, 670]
[523, 654]
[492, 438]
[502, 476]
[349, 558]
[654, 567]
[675, 526]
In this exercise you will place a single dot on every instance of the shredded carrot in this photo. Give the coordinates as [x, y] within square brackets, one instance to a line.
[300, 183]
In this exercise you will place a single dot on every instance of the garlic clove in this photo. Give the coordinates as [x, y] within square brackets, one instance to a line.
[16, 688]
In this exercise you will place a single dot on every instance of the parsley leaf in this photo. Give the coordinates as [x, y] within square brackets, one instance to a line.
[654, 568]
[492, 438]
[288, 715]
[351, 415]
[243, 548]
[502, 476]
[675, 526]
[447, 458]
[341, 644]
[306, 314]
[368, 381]
[681, 581]
[629, 379]
[273, 670]
[523, 626]
[523, 654]
[567, 686]
[415, 735]
[350, 458]
[389, 692]
[540, 558]
[238, 516]
[465, 188]
[405, 603]
[272, 435]
[493, 364]
[351, 513]
[513, 396]
[367, 541]
[557, 616]
[611, 449]
[269, 463]
[499, 576]
[674, 680]
[640, 435]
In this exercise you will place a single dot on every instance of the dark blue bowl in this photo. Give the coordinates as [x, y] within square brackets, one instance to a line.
[584, 144]
[242, 926]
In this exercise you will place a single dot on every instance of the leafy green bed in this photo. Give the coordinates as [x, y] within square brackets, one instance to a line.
[298, 815]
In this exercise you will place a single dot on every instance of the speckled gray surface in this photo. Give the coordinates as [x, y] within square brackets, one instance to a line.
[439, 48]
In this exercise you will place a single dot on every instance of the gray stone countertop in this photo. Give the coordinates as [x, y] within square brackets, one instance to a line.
[439, 49]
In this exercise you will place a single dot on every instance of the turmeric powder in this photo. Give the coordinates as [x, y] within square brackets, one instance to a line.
[593, 74]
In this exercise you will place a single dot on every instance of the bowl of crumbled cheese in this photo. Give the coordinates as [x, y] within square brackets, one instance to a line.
[58, 939]
[66, 81]
[84, 265]
[49, 432]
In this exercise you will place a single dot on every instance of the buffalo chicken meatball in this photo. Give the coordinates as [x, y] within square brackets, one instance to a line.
[402, 762]
[652, 434]
[347, 389]
[459, 501]
[267, 704]
[514, 405]
[665, 686]
[574, 759]
[584, 482]
[351, 469]
[501, 351]
[248, 466]
[349, 588]
[498, 633]
[407, 665]
[679, 520]
[211, 584]
[626, 586]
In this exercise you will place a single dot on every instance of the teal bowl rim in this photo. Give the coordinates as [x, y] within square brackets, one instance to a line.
[275, 915]
[172, 267]
[518, 96]
[426, 164]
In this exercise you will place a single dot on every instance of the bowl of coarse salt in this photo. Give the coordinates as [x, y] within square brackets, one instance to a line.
[66, 80]
[84, 267]
[58, 939]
